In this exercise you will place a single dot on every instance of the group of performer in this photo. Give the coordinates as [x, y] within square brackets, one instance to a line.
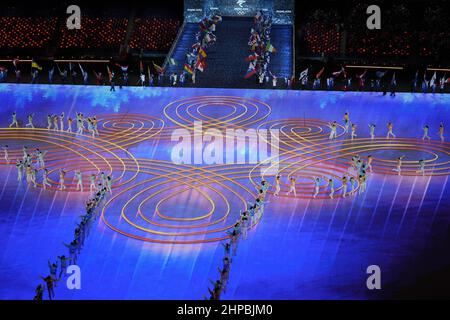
[31, 167]
[352, 127]
[197, 54]
[99, 185]
[65, 74]
[330, 183]
[56, 123]
[247, 219]
[261, 50]
[376, 83]
[360, 167]
[74, 247]
[32, 162]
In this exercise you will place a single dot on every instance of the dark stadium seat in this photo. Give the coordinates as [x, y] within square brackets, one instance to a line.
[26, 32]
[154, 33]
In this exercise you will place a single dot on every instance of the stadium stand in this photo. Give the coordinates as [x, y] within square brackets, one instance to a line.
[104, 33]
[26, 32]
[322, 33]
[155, 34]
[394, 39]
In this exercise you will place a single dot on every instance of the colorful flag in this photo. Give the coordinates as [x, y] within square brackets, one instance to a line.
[337, 73]
[303, 74]
[202, 52]
[251, 71]
[172, 62]
[252, 57]
[270, 48]
[109, 73]
[202, 26]
[158, 69]
[200, 64]
[35, 65]
[380, 74]
[319, 74]
[393, 79]
[123, 68]
[188, 68]
[362, 75]
[15, 62]
[433, 79]
[207, 38]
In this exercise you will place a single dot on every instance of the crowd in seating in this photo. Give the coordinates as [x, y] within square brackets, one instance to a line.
[97, 32]
[155, 34]
[26, 32]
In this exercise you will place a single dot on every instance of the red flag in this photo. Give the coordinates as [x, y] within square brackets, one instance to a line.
[123, 68]
[200, 64]
[141, 66]
[251, 71]
[318, 75]
[252, 57]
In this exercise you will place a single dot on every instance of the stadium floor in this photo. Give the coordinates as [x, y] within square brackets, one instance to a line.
[158, 236]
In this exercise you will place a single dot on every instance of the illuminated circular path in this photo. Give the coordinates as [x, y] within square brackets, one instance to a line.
[147, 192]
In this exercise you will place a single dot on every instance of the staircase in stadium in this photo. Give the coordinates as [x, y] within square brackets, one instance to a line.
[226, 65]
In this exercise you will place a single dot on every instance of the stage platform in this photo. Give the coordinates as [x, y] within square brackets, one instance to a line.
[159, 235]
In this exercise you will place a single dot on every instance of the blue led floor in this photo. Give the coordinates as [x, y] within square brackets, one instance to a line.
[301, 249]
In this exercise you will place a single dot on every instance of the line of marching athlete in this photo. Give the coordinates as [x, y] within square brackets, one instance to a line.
[352, 127]
[247, 219]
[58, 123]
[32, 162]
[74, 247]
[358, 165]
[360, 169]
